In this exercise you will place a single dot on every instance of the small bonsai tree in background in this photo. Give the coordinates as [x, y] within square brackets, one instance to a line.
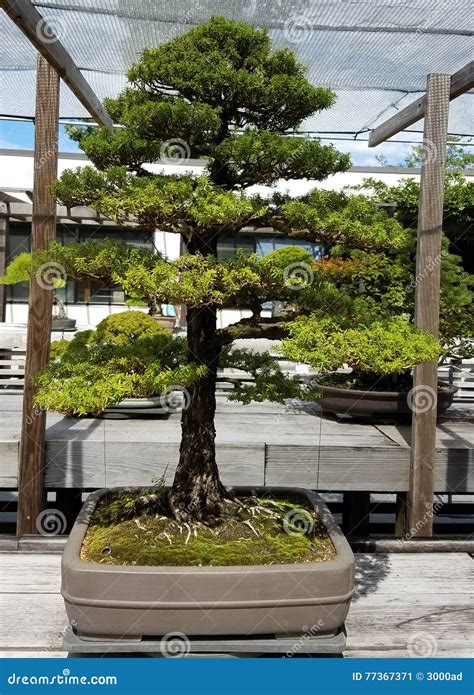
[381, 354]
[18, 272]
[128, 355]
[396, 280]
[220, 93]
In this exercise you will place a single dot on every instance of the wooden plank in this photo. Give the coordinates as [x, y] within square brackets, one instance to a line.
[27, 573]
[32, 621]
[460, 82]
[74, 464]
[40, 301]
[9, 454]
[79, 463]
[43, 38]
[427, 301]
[341, 468]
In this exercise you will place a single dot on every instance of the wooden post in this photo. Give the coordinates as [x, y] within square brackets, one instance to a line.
[423, 397]
[43, 229]
[3, 262]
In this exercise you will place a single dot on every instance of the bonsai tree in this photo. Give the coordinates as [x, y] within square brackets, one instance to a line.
[19, 271]
[396, 280]
[380, 353]
[128, 355]
[222, 94]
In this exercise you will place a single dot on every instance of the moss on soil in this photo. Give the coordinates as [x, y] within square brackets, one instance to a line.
[258, 531]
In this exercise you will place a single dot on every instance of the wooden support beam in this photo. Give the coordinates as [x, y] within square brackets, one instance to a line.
[427, 297]
[4, 223]
[40, 303]
[43, 38]
[460, 82]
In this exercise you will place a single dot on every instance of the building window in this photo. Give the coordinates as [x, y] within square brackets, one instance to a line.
[19, 241]
[228, 245]
[263, 245]
[266, 244]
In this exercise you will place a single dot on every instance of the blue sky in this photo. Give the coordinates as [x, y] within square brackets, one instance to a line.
[20, 135]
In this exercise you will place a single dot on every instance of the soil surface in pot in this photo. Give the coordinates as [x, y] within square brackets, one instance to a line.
[139, 530]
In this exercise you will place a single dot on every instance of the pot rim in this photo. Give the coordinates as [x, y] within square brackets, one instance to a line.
[71, 558]
[395, 394]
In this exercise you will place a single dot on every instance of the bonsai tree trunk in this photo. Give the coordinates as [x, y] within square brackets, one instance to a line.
[154, 308]
[61, 309]
[197, 492]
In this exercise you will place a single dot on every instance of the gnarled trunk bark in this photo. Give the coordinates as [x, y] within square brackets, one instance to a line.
[197, 492]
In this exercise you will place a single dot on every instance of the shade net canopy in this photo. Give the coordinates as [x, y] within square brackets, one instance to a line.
[374, 54]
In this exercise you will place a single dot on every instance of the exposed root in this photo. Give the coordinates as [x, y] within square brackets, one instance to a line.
[204, 504]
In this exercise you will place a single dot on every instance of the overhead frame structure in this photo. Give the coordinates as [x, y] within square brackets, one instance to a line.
[29, 20]
[374, 55]
[462, 81]
[415, 517]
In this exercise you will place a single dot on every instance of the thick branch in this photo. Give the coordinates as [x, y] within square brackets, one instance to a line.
[272, 328]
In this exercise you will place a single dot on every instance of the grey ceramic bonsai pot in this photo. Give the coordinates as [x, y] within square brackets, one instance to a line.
[357, 403]
[65, 324]
[110, 601]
